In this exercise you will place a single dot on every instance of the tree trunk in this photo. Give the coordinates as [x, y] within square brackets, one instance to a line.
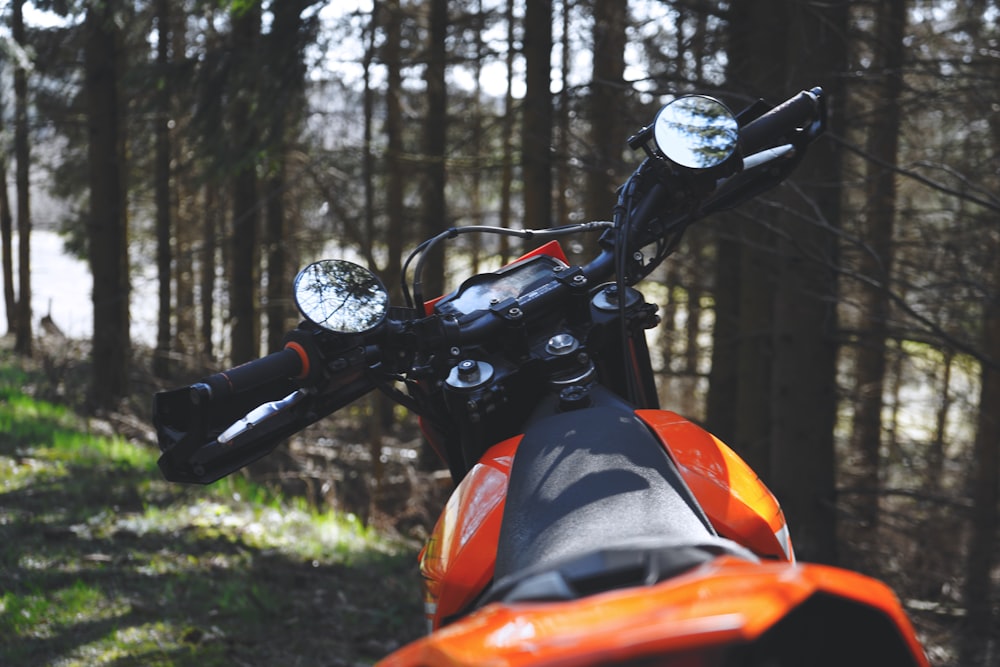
[607, 103]
[536, 136]
[804, 387]
[756, 68]
[286, 55]
[507, 137]
[368, 111]
[785, 396]
[981, 636]
[435, 215]
[6, 243]
[22, 326]
[562, 120]
[876, 259]
[161, 190]
[209, 247]
[982, 620]
[395, 176]
[244, 275]
[723, 377]
[108, 224]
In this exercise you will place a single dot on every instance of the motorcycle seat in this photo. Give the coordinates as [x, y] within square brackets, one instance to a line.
[594, 502]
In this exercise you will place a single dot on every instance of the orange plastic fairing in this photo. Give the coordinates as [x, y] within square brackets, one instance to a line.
[457, 561]
[693, 617]
[735, 500]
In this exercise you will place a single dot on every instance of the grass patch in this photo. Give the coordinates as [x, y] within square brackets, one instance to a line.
[102, 562]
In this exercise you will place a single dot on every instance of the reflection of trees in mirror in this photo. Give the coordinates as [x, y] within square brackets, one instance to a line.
[341, 296]
[696, 132]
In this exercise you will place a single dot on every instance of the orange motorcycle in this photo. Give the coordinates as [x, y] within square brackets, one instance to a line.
[587, 526]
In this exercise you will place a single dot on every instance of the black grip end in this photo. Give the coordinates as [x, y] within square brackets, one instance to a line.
[775, 126]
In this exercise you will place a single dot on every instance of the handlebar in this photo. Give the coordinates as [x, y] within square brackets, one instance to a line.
[228, 419]
[290, 362]
[792, 114]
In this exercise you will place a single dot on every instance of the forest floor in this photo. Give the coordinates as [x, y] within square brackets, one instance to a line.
[102, 562]
[306, 558]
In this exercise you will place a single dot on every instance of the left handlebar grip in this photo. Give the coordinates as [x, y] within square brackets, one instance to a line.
[793, 113]
[290, 362]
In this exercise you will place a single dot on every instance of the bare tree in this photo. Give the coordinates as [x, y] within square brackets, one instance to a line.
[435, 214]
[6, 240]
[536, 137]
[161, 189]
[606, 102]
[876, 257]
[244, 274]
[108, 222]
[22, 326]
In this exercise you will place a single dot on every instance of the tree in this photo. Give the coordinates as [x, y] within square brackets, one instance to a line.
[784, 364]
[507, 135]
[876, 258]
[394, 167]
[804, 389]
[161, 188]
[739, 403]
[244, 100]
[606, 100]
[286, 45]
[6, 240]
[22, 327]
[978, 586]
[537, 115]
[435, 214]
[982, 625]
[108, 223]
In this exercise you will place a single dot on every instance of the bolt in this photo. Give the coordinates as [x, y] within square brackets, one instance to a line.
[561, 344]
[579, 279]
[515, 313]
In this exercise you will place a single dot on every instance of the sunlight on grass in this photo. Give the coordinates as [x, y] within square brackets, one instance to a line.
[103, 562]
[41, 614]
[149, 644]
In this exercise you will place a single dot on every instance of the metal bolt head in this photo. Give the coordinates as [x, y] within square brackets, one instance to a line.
[562, 344]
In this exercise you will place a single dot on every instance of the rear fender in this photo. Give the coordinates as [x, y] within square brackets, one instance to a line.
[725, 613]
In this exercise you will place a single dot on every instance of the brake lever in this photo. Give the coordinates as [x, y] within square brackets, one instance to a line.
[259, 415]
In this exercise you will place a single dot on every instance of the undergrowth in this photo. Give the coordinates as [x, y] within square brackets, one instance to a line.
[104, 563]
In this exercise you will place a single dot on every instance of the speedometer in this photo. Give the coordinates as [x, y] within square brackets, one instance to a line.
[488, 289]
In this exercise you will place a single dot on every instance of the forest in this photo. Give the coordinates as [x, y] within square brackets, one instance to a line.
[841, 332]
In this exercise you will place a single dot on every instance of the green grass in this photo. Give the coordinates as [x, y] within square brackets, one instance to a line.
[102, 562]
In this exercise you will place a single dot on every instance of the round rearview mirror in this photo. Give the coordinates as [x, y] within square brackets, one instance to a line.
[696, 132]
[341, 296]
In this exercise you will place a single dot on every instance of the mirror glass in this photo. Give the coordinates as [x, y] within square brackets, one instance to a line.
[341, 296]
[696, 132]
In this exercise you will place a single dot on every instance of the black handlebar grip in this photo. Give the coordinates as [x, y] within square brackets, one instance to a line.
[792, 114]
[291, 362]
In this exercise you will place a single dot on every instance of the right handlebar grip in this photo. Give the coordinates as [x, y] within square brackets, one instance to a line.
[792, 114]
[290, 362]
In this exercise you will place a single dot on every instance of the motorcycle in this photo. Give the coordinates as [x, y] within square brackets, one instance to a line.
[587, 526]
